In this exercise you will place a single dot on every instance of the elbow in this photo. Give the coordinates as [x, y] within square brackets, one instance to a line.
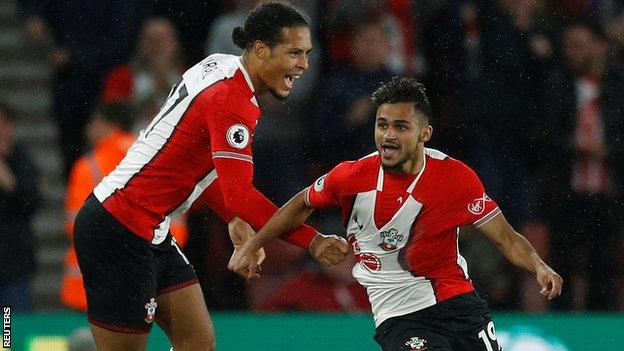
[234, 200]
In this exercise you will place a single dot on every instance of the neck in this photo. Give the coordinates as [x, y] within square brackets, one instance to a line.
[412, 166]
[253, 67]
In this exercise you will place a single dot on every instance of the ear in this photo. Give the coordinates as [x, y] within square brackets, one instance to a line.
[426, 133]
[260, 49]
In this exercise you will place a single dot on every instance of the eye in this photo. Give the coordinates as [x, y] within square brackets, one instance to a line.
[402, 127]
[382, 125]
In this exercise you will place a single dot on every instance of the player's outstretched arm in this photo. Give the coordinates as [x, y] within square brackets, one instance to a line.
[327, 249]
[520, 252]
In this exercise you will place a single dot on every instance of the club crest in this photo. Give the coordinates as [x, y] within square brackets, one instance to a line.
[416, 344]
[477, 206]
[151, 310]
[390, 239]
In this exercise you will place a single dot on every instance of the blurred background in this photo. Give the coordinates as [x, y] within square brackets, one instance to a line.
[527, 92]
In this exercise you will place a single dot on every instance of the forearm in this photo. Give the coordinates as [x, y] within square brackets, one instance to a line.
[521, 253]
[290, 216]
[243, 200]
[515, 247]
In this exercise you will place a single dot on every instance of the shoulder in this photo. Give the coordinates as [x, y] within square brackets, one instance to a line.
[210, 71]
[367, 164]
[357, 175]
[449, 168]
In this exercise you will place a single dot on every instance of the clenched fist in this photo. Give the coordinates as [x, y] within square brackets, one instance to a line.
[329, 249]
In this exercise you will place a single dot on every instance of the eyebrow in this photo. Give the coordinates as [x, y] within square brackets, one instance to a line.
[395, 121]
[298, 50]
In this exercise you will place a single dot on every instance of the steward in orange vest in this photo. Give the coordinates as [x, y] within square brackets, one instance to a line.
[106, 131]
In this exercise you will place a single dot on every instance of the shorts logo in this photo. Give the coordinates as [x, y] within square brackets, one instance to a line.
[319, 185]
[416, 344]
[238, 136]
[390, 239]
[151, 310]
[477, 206]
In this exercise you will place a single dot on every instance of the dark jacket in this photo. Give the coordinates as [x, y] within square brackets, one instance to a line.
[560, 114]
[16, 213]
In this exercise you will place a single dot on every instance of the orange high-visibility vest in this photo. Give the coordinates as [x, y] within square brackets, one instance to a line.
[85, 174]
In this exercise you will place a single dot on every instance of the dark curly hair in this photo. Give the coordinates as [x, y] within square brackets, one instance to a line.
[404, 89]
[265, 23]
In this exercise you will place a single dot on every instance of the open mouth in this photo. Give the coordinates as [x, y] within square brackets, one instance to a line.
[289, 79]
[388, 150]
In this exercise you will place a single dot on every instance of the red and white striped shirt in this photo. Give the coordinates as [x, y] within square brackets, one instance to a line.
[404, 228]
[199, 146]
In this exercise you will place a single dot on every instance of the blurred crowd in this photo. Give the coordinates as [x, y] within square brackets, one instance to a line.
[527, 92]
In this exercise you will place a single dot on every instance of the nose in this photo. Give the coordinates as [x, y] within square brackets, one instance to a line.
[303, 62]
[390, 134]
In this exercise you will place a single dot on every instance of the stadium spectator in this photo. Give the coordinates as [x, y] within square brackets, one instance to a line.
[219, 32]
[583, 110]
[192, 18]
[343, 116]
[449, 37]
[84, 41]
[341, 19]
[147, 80]
[19, 198]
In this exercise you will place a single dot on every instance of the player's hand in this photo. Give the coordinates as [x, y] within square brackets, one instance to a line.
[550, 282]
[244, 262]
[240, 231]
[329, 249]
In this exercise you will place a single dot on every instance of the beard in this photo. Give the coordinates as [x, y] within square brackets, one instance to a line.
[398, 166]
[276, 95]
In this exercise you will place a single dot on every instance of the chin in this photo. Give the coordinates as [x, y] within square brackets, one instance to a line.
[279, 95]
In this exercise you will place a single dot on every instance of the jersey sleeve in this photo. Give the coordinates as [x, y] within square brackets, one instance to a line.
[471, 204]
[231, 125]
[325, 191]
[231, 146]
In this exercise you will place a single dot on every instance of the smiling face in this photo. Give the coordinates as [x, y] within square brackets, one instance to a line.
[400, 133]
[285, 62]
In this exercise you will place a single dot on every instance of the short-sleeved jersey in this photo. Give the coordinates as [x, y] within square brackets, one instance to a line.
[207, 121]
[404, 229]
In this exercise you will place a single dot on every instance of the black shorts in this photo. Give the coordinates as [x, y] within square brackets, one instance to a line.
[461, 323]
[123, 273]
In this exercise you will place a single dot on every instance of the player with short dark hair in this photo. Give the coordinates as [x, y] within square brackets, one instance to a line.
[197, 148]
[403, 206]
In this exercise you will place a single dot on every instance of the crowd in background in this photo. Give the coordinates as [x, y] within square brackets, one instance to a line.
[527, 92]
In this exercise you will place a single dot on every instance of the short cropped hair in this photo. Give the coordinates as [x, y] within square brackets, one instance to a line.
[265, 23]
[404, 89]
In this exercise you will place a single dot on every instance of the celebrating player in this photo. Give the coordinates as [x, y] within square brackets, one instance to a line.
[197, 147]
[403, 207]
